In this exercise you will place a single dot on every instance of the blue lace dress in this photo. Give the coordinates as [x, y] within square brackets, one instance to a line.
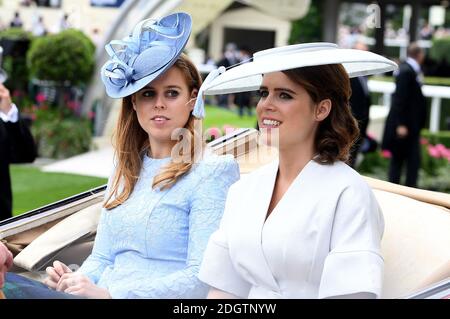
[152, 245]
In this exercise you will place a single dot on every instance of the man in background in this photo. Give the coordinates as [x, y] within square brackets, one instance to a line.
[406, 118]
[360, 104]
[16, 146]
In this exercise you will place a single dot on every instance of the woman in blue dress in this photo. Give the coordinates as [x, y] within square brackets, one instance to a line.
[167, 193]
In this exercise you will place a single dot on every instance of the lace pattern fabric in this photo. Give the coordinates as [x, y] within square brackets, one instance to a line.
[152, 245]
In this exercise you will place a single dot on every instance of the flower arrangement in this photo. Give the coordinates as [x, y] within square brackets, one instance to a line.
[59, 131]
[434, 172]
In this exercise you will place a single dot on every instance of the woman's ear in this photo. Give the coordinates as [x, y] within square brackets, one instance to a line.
[133, 101]
[323, 109]
[193, 98]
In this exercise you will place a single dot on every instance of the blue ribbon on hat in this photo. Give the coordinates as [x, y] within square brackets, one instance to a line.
[119, 68]
[199, 108]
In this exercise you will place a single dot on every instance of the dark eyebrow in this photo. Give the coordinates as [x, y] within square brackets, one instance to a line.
[166, 87]
[173, 87]
[279, 89]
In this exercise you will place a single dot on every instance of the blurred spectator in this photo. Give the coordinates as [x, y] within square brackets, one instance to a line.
[16, 22]
[360, 104]
[39, 28]
[426, 33]
[96, 37]
[63, 23]
[16, 146]
[229, 58]
[406, 118]
[26, 3]
[344, 36]
[389, 32]
[243, 99]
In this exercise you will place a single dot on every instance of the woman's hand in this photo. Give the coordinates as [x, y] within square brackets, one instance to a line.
[55, 273]
[78, 284]
[5, 99]
[6, 261]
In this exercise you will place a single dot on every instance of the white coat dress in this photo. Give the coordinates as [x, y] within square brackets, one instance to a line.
[321, 240]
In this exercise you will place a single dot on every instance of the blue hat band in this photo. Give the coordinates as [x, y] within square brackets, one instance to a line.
[151, 60]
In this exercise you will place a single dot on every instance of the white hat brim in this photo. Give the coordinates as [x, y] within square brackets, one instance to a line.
[248, 76]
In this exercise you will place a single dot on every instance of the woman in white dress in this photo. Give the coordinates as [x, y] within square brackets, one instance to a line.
[307, 225]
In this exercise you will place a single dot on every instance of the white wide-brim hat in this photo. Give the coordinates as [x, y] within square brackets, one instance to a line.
[248, 76]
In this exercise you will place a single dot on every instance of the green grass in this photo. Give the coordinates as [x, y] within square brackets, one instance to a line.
[218, 117]
[33, 188]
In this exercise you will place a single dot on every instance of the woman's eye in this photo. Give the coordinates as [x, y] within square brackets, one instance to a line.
[172, 93]
[263, 93]
[148, 93]
[285, 96]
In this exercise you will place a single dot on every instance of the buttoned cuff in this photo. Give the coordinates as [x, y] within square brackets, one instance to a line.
[12, 116]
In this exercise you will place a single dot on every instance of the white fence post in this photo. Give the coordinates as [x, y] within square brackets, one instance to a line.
[435, 114]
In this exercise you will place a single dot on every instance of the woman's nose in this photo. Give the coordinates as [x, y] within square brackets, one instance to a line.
[159, 104]
[266, 104]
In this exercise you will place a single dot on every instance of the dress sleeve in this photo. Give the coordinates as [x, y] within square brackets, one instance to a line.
[354, 263]
[101, 255]
[217, 269]
[206, 208]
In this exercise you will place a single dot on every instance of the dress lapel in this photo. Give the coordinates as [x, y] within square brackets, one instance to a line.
[263, 186]
[277, 218]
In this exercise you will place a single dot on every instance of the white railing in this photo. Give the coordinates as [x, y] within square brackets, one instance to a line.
[401, 43]
[435, 92]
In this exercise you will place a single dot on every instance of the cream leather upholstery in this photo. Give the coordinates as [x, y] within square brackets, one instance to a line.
[415, 245]
[82, 224]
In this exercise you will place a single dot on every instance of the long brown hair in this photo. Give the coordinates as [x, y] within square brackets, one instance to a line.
[131, 141]
[337, 133]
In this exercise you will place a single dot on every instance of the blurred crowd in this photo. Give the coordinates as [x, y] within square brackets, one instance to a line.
[39, 27]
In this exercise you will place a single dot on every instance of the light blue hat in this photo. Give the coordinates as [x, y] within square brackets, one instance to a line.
[151, 49]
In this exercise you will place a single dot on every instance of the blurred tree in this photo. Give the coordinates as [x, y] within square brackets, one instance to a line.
[15, 43]
[308, 28]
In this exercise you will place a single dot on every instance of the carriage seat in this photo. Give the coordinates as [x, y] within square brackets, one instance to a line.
[414, 245]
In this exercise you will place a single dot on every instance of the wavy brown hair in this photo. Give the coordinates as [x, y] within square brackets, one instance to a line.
[131, 141]
[337, 133]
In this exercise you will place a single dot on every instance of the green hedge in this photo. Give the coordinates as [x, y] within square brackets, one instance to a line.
[442, 137]
[60, 134]
[66, 56]
[15, 34]
[440, 49]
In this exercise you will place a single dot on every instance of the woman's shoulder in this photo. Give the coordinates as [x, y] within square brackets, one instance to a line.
[217, 164]
[255, 177]
[346, 177]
